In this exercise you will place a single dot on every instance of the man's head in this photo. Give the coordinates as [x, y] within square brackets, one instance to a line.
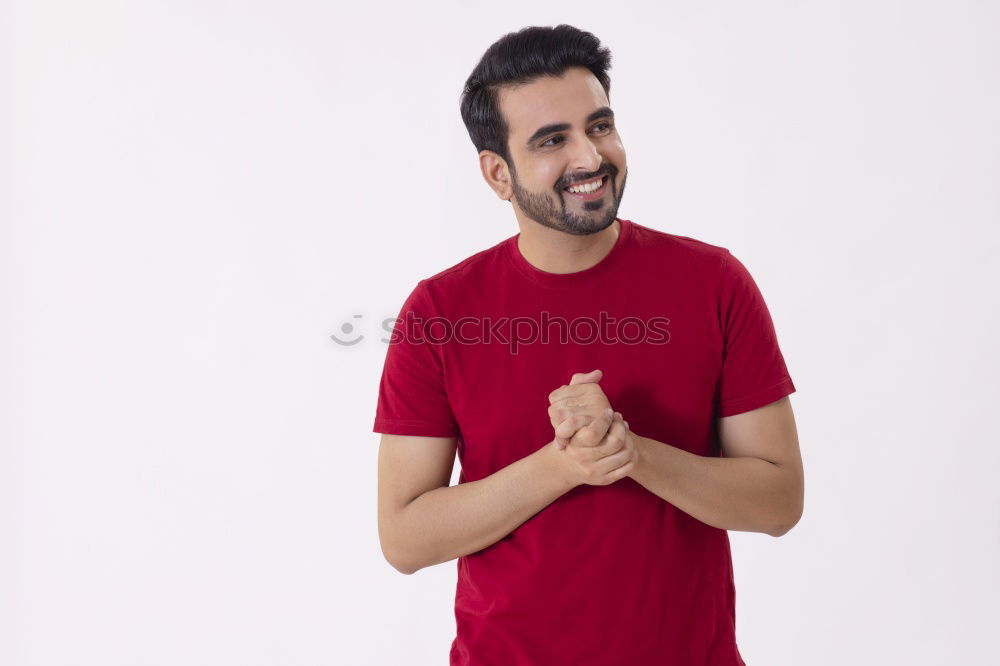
[537, 109]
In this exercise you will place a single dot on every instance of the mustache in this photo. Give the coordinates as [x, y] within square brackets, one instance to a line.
[610, 172]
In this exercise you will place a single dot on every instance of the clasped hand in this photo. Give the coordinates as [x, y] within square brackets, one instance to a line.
[595, 441]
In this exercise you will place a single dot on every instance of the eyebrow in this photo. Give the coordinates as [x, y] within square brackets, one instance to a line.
[545, 130]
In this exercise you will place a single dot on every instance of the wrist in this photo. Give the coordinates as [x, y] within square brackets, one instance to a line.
[641, 445]
[553, 466]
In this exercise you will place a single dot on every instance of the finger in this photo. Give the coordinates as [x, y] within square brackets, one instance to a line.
[619, 454]
[583, 378]
[614, 441]
[593, 434]
[567, 403]
[609, 464]
[567, 428]
[581, 394]
[569, 389]
[621, 472]
[564, 392]
[558, 414]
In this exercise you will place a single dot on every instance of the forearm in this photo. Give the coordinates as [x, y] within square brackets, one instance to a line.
[448, 522]
[745, 494]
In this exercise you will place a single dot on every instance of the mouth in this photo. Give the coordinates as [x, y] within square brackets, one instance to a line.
[589, 196]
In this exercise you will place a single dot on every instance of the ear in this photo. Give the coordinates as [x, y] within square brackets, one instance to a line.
[496, 174]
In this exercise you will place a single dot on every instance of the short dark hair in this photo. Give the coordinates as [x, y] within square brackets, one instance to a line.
[518, 58]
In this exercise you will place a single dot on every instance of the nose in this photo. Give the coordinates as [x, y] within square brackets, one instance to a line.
[585, 157]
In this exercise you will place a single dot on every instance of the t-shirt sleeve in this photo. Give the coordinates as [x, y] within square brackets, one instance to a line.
[412, 399]
[753, 368]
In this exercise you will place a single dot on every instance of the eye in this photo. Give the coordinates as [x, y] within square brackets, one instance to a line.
[559, 136]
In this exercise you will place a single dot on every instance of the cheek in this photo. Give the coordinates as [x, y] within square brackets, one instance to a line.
[616, 155]
[549, 176]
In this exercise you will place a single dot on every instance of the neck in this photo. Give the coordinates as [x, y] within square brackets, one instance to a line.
[555, 251]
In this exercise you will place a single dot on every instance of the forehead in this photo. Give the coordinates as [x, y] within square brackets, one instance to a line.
[548, 99]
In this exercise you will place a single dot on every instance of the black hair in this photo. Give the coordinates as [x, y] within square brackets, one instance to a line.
[518, 58]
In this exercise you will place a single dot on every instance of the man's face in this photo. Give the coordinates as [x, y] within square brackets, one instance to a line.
[562, 134]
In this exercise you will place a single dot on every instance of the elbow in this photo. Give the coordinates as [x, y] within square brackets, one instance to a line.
[779, 531]
[405, 552]
[791, 512]
[394, 547]
[398, 562]
[786, 525]
[399, 557]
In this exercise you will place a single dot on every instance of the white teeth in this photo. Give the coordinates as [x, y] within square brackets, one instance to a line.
[583, 189]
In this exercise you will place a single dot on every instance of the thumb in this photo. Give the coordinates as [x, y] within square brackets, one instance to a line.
[602, 423]
[592, 377]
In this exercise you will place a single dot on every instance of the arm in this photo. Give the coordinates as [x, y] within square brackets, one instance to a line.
[423, 521]
[758, 485]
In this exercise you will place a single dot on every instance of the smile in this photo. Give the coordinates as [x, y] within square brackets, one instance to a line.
[588, 194]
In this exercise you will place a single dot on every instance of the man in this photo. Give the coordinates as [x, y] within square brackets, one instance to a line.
[616, 395]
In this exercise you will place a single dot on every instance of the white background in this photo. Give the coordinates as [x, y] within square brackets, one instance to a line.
[196, 195]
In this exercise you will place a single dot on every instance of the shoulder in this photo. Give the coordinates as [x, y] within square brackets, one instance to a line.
[656, 238]
[473, 275]
[680, 251]
[468, 281]
[478, 262]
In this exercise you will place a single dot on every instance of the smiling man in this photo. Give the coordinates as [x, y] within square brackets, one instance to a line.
[642, 412]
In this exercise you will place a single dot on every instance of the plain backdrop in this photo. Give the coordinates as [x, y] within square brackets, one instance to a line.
[197, 195]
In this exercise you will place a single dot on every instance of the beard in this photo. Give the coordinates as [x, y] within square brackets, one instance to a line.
[555, 212]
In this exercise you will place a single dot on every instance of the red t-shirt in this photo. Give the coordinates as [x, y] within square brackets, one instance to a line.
[604, 575]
